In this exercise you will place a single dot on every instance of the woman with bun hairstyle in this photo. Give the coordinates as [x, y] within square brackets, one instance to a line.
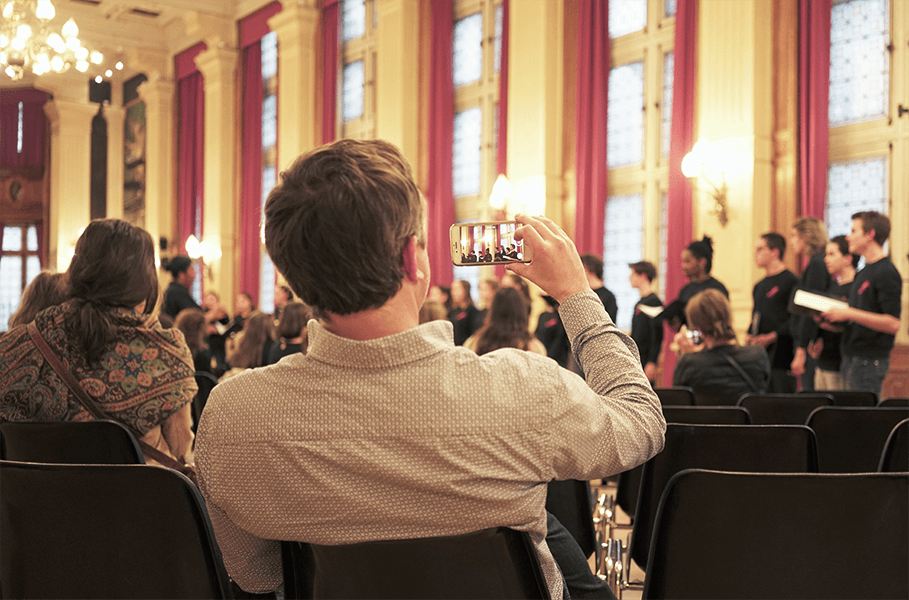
[108, 338]
[808, 238]
[697, 261]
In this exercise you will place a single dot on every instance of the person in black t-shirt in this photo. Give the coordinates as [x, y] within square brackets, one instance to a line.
[873, 316]
[177, 296]
[826, 348]
[770, 317]
[646, 330]
[697, 260]
[463, 315]
[551, 333]
[593, 267]
[809, 239]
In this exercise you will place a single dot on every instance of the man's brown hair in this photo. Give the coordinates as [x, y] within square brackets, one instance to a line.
[873, 220]
[337, 223]
[644, 268]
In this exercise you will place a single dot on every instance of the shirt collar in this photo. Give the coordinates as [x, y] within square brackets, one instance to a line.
[408, 346]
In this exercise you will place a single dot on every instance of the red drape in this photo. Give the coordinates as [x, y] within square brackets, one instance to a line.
[439, 192]
[254, 27]
[190, 145]
[814, 89]
[680, 223]
[33, 128]
[251, 172]
[330, 49]
[590, 124]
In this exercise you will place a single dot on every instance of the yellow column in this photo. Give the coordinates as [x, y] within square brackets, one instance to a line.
[297, 28]
[70, 177]
[218, 65]
[535, 53]
[160, 198]
[397, 75]
[735, 115]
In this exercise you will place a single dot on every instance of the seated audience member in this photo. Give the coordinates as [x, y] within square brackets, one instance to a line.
[505, 326]
[463, 314]
[593, 268]
[107, 335]
[217, 321]
[283, 295]
[487, 290]
[431, 310]
[245, 307]
[719, 370]
[177, 295]
[292, 336]
[192, 323]
[446, 441]
[251, 347]
[808, 239]
[646, 330]
[826, 347]
[551, 333]
[517, 282]
[873, 316]
[442, 295]
[45, 290]
[215, 311]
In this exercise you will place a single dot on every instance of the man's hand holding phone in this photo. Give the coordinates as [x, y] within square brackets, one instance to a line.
[555, 263]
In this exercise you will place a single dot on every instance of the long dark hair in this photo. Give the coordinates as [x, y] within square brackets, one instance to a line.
[506, 323]
[113, 267]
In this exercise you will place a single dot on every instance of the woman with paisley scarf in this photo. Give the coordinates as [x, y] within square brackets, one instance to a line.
[106, 334]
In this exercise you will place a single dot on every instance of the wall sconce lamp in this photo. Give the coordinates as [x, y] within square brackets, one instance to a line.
[693, 168]
[502, 193]
[204, 252]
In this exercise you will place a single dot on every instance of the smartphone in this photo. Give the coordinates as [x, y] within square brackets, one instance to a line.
[695, 336]
[487, 243]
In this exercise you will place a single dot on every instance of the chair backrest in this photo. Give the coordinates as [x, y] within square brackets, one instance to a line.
[895, 457]
[782, 409]
[851, 440]
[570, 502]
[893, 402]
[675, 396]
[848, 397]
[491, 563]
[707, 415]
[760, 535]
[751, 448]
[70, 442]
[105, 531]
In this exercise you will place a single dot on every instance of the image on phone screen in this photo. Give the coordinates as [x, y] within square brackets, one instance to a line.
[489, 243]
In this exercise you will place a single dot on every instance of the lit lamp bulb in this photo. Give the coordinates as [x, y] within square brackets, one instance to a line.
[193, 247]
[23, 31]
[108, 73]
[691, 165]
[70, 29]
[56, 42]
[73, 43]
[45, 10]
[18, 43]
[82, 53]
[82, 66]
[8, 10]
[57, 64]
[501, 192]
[96, 57]
[99, 79]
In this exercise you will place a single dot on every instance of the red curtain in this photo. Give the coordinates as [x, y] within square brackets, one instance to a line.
[330, 48]
[439, 192]
[590, 124]
[679, 209]
[190, 145]
[251, 172]
[814, 89]
[33, 128]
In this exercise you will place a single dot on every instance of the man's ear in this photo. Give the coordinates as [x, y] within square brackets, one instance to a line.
[409, 254]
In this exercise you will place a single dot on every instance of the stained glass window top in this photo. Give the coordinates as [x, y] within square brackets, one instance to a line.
[353, 19]
[352, 104]
[853, 186]
[467, 58]
[269, 45]
[499, 41]
[466, 151]
[666, 107]
[625, 120]
[859, 61]
[623, 244]
[669, 8]
[626, 16]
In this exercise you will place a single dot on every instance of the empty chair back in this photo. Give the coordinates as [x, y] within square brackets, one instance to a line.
[675, 396]
[752, 448]
[851, 440]
[848, 397]
[105, 531]
[570, 502]
[894, 402]
[707, 415]
[782, 409]
[895, 457]
[760, 535]
[491, 563]
[70, 442]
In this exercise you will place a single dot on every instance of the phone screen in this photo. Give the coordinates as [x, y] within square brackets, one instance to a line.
[490, 243]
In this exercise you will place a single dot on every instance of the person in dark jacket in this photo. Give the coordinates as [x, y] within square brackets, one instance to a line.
[177, 296]
[809, 239]
[593, 268]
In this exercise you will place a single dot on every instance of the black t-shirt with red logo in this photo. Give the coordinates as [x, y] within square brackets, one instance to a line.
[771, 299]
[876, 289]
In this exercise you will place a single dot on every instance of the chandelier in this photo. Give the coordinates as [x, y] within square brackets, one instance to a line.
[27, 41]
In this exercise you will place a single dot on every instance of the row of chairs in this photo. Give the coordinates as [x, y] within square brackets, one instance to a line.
[686, 396]
[117, 528]
[734, 447]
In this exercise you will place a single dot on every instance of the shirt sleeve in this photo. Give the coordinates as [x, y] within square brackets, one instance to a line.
[614, 421]
[889, 291]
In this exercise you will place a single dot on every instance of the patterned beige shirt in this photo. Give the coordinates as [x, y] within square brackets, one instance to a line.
[410, 436]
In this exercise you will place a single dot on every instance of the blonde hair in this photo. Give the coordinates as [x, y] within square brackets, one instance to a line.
[709, 312]
[814, 233]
